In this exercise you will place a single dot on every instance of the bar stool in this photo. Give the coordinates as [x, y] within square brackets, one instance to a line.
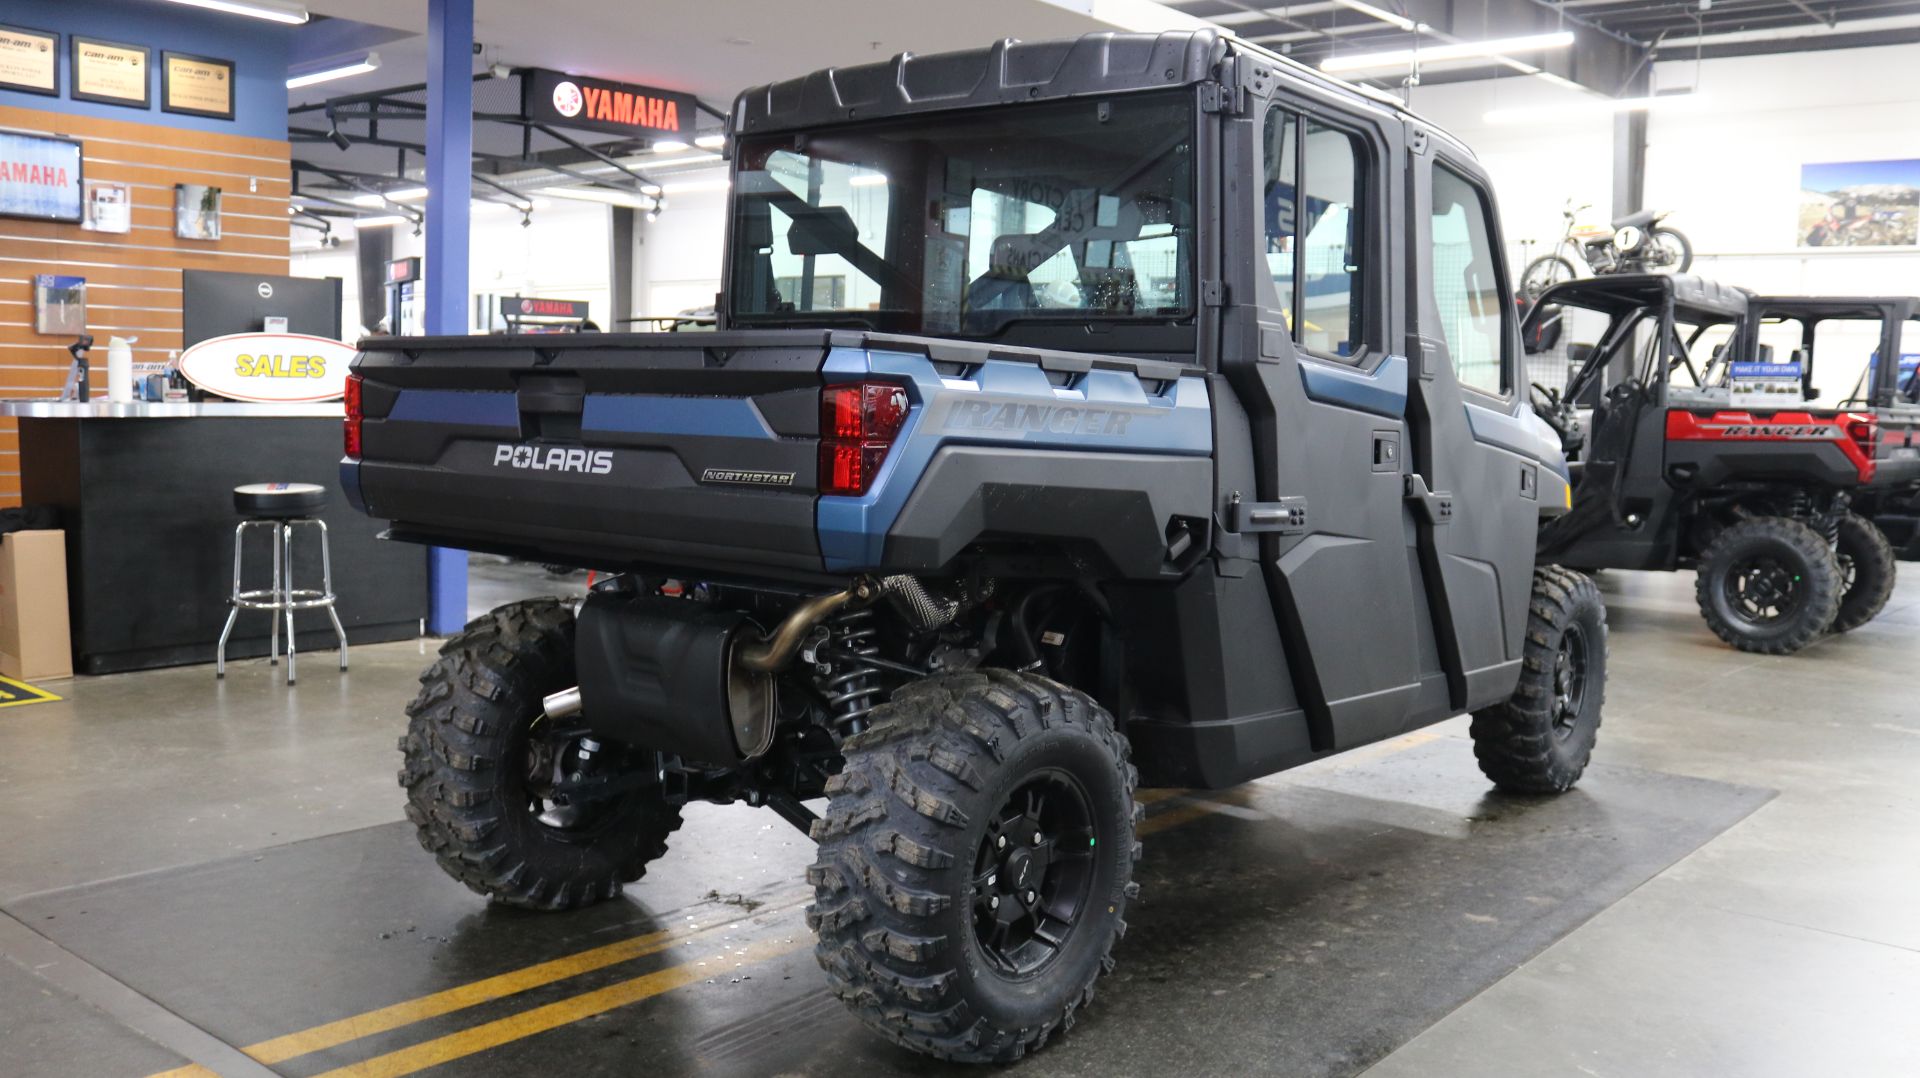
[280, 508]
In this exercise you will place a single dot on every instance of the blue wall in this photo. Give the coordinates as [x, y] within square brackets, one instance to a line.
[258, 49]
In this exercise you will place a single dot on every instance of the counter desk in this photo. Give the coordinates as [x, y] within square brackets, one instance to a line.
[145, 493]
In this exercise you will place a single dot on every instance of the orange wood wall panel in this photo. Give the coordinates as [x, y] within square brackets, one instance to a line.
[133, 278]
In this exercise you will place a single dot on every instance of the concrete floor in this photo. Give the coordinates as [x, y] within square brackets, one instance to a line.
[197, 867]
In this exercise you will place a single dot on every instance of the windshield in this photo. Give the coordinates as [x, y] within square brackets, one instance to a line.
[972, 223]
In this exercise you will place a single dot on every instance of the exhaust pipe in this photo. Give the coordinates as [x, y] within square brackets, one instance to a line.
[777, 650]
[562, 705]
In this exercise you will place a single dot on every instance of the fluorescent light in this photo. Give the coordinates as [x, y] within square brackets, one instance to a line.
[708, 142]
[380, 222]
[868, 179]
[1599, 106]
[1385, 16]
[669, 145]
[698, 185]
[631, 200]
[371, 62]
[1460, 51]
[271, 10]
[404, 194]
[649, 188]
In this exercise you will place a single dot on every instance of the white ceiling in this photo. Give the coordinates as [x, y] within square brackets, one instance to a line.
[713, 48]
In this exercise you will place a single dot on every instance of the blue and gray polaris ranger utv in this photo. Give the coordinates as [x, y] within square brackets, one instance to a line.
[1135, 410]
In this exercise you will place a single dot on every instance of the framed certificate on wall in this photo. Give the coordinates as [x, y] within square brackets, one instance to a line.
[111, 73]
[196, 85]
[29, 60]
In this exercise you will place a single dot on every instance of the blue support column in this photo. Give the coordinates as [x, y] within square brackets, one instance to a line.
[449, 188]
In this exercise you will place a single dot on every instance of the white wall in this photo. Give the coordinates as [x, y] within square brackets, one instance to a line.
[1535, 166]
[566, 253]
[680, 252]
[1728, 165]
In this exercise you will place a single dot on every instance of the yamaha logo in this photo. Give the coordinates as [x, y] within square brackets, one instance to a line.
[554, 459]
[567, 99]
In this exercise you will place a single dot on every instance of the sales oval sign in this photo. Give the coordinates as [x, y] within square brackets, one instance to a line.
[269, 368]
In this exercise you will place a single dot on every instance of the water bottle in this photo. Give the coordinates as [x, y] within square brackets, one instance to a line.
[120, 369]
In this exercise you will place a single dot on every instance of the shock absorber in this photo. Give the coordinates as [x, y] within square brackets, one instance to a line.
[852, 688]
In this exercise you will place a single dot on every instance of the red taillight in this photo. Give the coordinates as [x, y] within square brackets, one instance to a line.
[352, 400]
[858, 423]
[1864, 429]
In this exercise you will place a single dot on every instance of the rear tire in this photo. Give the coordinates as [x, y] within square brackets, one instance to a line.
[1867, 570]
[1677, 245]
[1543, 273]
[1768, 585]
[475, 763]
[1540, 739]
[955, 916]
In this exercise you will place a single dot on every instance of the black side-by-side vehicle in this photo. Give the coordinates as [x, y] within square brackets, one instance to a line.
[1079, 415]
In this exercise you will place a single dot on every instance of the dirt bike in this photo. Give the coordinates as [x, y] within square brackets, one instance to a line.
[1634, 243]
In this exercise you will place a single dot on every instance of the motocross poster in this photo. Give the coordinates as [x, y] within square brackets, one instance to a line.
[1860, 203]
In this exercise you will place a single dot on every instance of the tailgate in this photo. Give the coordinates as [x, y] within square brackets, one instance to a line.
[597, 449]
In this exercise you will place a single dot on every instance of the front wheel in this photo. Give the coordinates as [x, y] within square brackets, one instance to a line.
[975, 863]
[1676, 251]
[1769, 585]
[1540, 739]
[1867, 570]
[500, 795]
[1543, 273]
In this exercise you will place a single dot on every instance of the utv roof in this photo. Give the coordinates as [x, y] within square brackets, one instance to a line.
[1008, 72]
[1899, 307]
[1625, 291]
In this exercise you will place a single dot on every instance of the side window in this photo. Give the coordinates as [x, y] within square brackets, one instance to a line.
[1313, 232]
[1466, 283]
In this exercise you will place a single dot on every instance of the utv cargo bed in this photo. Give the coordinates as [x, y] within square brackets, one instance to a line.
[696, 450]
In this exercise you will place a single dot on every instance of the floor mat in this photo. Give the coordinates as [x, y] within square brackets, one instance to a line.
[1306, 924]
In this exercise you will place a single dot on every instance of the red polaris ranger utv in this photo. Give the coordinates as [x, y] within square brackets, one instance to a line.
[1703, 448]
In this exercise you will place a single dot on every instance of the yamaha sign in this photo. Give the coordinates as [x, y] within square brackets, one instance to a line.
[619, 108]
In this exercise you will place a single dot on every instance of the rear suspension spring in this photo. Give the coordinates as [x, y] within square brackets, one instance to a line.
[852, 687]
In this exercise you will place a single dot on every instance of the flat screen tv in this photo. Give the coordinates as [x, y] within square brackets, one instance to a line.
[39, 177]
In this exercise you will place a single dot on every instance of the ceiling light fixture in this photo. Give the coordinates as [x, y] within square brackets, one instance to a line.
[271, 10]
[369, 62]
[631, 200]
[668, 145]
[402, 194]
[1385, 16]
[379, 222]
[710, 142]
[1464, 50]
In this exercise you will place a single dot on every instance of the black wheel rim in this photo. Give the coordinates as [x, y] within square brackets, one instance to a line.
[1033, 873]
[1764, 590]
[1570, 665]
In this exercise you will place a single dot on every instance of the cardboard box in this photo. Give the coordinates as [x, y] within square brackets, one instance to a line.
[34, 640]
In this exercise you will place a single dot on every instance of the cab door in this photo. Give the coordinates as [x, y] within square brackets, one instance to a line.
[1479, 458]
[1326, 399]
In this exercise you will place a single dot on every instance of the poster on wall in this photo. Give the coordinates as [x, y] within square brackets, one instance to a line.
[109, 207]
[196, 85]
[196, 211]
[59, 305]
[111, 73]
[1860, 203]
[29, 60]
[39, 177]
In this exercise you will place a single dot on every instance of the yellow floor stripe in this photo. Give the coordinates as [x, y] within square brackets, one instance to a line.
[191, 1070]
[553, 1015]
[407, 1013]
